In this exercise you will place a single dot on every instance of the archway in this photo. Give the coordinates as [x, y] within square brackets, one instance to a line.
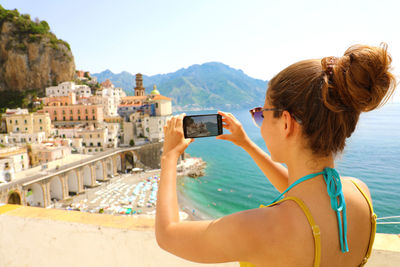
[56, 189]
[118, 163]
[34, 196]
[87, 176]
[109, 167]
[14, 198]
[99, 171]
[129, 161]
[72, 183]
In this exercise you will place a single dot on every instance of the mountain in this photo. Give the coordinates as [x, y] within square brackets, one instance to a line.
[211, 85]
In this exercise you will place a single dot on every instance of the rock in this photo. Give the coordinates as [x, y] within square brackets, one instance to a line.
[192, 167]
[26, 64]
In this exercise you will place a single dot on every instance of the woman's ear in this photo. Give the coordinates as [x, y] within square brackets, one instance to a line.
[287, 123]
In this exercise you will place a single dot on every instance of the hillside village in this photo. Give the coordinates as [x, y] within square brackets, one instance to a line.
[75, 119]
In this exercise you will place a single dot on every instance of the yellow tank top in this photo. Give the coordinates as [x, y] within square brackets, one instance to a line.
[316, 231]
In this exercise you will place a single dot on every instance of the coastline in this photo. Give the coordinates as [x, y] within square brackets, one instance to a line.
[111, 196]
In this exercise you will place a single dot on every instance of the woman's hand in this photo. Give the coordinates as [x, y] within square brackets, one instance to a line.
[238, 136]
[174, 140]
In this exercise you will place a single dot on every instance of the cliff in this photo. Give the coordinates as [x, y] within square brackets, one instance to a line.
[31, 57]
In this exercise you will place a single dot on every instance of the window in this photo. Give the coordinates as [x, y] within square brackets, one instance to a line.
[90, 135]
[70, 118]
[10, 121]
[98, 144]
[26, 129]
[98, 135]
[25, 122]
[16, 122]
[41, 128]
[63, 112]
[79, 118]
[86, 112]
[17, 129]
[156, 105]
[70, 111]
[91, 144]
[63, 118]
[94, 117]
[66, 103]
[55, 112]
[79, 111]
[92, 110]
[40, 120]
[87, 118]
[55, 118]
[83, 144]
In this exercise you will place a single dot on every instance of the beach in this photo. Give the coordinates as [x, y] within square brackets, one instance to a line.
[134, 194]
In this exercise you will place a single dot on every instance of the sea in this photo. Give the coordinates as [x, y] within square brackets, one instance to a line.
[233, 182]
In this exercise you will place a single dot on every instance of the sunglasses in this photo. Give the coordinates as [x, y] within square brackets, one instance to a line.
[257, 114]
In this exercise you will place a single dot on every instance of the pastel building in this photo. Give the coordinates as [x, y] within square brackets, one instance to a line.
[144, 115]
[71, 114]
[21, 121]
[42, 153]
[63, 89]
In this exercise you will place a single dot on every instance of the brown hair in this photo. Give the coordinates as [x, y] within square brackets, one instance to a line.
[327, 96]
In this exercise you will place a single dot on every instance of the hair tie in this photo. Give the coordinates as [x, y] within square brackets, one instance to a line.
[327, 65]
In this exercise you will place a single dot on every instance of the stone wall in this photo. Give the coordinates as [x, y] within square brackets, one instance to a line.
[150, 155]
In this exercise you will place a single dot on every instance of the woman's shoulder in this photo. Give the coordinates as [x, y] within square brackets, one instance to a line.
[360, 185]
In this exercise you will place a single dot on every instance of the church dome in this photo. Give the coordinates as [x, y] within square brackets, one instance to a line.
[155, 91]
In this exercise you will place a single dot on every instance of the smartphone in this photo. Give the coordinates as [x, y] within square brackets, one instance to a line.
[196, 126]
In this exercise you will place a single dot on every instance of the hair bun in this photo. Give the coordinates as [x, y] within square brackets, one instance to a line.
[360, 80]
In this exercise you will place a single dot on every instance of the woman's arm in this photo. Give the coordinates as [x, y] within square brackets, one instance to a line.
[275, 172]
[241, 236]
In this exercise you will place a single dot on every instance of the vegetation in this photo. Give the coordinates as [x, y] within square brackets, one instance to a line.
[28, 30]
[22, 99]
[132, 142]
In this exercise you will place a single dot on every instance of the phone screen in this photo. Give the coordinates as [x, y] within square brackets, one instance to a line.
[202, 125]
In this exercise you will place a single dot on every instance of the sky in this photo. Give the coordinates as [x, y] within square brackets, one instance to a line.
[259, 37]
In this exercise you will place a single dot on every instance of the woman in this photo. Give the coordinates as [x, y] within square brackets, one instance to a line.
[310, 108]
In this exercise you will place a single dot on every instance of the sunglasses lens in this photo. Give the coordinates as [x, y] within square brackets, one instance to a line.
[258, 118]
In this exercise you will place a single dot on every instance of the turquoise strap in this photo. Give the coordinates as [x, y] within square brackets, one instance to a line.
[334, 188]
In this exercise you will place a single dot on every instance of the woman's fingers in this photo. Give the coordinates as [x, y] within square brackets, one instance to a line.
[179, 122]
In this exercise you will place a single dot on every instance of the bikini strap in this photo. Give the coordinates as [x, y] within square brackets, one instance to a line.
[315, 228]
[373, 224]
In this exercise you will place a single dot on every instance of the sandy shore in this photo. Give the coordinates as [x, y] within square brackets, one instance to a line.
[119, 196]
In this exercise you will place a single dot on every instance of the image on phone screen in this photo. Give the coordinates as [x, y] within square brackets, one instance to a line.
[201, 126]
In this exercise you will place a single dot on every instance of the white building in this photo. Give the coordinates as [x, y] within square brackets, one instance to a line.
[94, 139]
[110, 98]
[6, 170]
[63, 89]
[17, 158]
[22, 138]
[113, 134]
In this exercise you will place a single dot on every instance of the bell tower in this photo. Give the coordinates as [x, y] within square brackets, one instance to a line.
[139, 89]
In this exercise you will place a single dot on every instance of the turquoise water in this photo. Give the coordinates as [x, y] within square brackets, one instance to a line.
[233, 181]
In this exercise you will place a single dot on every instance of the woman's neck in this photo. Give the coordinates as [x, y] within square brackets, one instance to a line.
[307, 163]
